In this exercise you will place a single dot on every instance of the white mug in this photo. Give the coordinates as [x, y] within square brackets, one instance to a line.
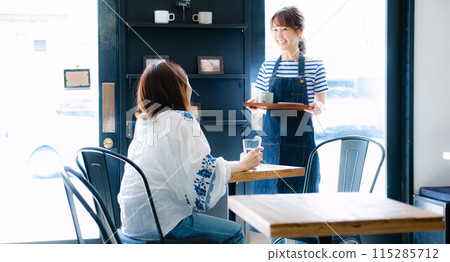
[163, 16]
[265, 97]
[202, 17]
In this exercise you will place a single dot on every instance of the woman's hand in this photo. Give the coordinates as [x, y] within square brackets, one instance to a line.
[252, 159]
[252, 100]
[316, 108]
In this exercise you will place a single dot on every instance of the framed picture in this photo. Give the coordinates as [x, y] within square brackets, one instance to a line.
[212, 65]
[195, 111]
[77, 79]
[154, 59]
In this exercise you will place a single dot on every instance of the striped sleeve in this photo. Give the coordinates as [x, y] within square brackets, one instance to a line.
[262, 82]
[320, 82]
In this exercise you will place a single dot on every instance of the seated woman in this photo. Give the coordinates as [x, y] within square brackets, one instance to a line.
[171, 149]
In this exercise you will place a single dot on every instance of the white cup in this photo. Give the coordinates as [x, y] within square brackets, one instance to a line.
[202, 17]
[163, 17]
[265, 97]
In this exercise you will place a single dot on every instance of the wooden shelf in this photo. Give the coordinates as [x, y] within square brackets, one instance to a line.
[196, 26]
[198, 76]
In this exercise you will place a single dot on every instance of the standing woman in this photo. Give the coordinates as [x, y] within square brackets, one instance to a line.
[297, 79]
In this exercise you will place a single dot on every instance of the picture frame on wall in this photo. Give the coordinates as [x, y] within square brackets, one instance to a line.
[195, 111]
[210, 65]
[77, 79]
[154, 59]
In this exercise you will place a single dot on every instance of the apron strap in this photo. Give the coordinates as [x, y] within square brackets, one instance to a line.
[301, 69]
[275, 69]
[301, 64]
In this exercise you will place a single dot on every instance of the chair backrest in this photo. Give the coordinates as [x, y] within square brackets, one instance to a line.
[96, 168]
[96, 164]
[351, 164]
[98, 212]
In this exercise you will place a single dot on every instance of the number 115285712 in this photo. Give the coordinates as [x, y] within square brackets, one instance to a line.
[405, 253]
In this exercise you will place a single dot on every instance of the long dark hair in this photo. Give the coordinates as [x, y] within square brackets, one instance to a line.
[290, 16]
[163, 84]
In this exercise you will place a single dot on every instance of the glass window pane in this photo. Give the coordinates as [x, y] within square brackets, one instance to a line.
[42, 125]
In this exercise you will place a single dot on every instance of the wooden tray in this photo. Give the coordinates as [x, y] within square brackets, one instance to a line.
[284, 106]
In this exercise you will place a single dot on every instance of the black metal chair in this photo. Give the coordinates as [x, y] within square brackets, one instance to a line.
[95, 163]
[352, 160]
[98, 212]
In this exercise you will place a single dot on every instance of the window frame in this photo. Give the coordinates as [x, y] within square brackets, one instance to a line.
[400, 99]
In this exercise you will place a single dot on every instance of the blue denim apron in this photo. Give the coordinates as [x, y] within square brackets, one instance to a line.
[281, 144]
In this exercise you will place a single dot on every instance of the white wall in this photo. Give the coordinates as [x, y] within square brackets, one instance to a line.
[431, 93]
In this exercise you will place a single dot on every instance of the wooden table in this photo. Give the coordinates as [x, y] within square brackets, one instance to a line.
[306, 215]
[266, 171]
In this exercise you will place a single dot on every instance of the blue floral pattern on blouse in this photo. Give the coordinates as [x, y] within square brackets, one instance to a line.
[203, 183]
[186, 115]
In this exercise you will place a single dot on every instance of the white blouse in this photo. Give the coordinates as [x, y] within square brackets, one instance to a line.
[174, 155]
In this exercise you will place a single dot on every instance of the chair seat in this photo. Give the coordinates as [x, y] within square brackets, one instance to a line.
[194, 240]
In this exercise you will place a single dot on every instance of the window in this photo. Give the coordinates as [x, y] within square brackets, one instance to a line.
[40, 45]
[41, 124]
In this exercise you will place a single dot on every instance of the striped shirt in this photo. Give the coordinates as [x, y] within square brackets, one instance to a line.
[316, 79]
